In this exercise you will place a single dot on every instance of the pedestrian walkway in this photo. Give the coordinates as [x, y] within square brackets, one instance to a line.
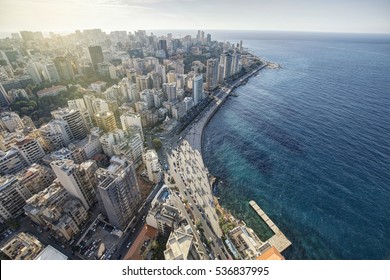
[279, 240]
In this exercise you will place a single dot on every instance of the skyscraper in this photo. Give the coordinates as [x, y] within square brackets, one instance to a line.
[11, 162]
[30, 149]
[13, 197]
[64, 68]
[170, 90]
[76, 123]
[11, 121]
[236, 66]
[226, 61]
[119, 191]
[55, 134]
[197, 90]
[34, 73]
[131, 120]
[212, 73]
[162, 45]
[152, 166]
[144, 82]
[75, 180]
[52, 72]
[208, 38]
[4, 102]
[96, 55]
[106, 121]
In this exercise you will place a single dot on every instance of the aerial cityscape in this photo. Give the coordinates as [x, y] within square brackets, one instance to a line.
[101, 147]
[198, 144]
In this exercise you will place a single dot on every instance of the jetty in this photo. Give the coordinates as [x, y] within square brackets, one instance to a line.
[279, 240]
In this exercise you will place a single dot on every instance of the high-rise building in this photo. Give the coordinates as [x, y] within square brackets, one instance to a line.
[52, 73]
[160, 69]
[34, 73]
[31, 36]
[28, 123]
[143, 82]
[197, 89]
[181, 245]
[123, 143]
[11, 162]
[30, 149]
[130, 120]
[106, 121]
[119, 191]
[212, 73]
[4, 102]
[162, 45]
[11, 121]
[36, 178]
[78, 104]
[226, 61]
[13, 197]
[221, 71]
[100, 105]
[162, 214]
[75, 180]
[96, 55]
[108, 140]
[158, 98]
[147, 97]
[170, 90]
[76, 124]
[153, 166]
[208, 40]
[55, 134]
[171, 77]
[189, 103]
[7, 140]
[131, 147]
[181, 81]
[236, 66]
[65, 68]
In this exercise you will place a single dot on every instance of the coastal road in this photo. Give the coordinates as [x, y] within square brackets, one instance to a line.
[192, 180]
[191, 176]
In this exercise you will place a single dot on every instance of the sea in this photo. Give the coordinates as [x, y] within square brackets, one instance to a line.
[310, 143]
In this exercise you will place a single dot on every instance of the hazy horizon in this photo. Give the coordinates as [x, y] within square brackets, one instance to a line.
[238, 33]
[342, 16]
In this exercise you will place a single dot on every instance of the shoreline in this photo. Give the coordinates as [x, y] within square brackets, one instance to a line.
[242, 81]
[195, 134]
[219, 221]
[278, 240]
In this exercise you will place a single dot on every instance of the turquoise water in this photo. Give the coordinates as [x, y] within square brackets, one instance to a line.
[310, 143]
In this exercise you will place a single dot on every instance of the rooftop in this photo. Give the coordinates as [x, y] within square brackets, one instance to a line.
[147, 233]
[50, 89]
[50, 253]
[271, 254]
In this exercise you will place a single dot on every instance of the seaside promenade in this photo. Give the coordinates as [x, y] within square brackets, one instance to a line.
[193, 179]
[195, 134]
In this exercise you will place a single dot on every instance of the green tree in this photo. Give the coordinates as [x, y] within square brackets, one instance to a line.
[12, 224]
[157, 143]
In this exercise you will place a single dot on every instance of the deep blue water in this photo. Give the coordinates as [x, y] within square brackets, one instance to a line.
[310, 143]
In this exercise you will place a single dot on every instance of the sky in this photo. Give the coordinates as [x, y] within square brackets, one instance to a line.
[351, 16]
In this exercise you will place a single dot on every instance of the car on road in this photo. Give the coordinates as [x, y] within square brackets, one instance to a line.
[128, 245]
[132, 231]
